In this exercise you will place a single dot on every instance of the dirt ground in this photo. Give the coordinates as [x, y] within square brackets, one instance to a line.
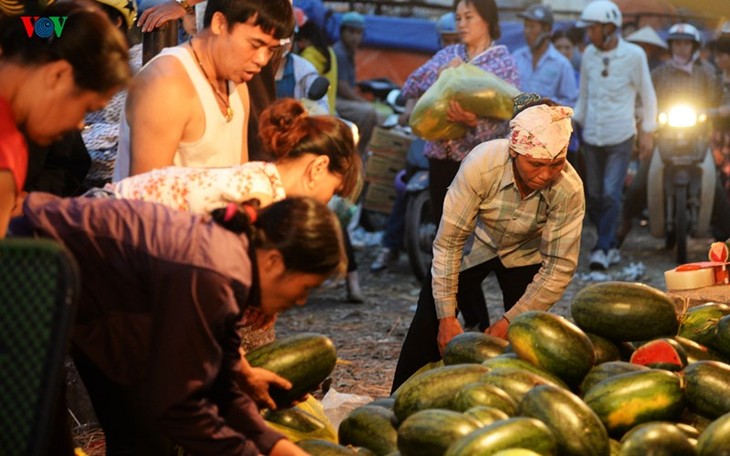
[368, 336]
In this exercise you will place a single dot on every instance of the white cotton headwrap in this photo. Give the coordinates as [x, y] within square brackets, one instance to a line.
[542, 131]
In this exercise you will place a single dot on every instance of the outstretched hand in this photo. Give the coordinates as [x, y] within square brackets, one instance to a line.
[449, 328]
[158, 15]
[498, 329]
[256, 382]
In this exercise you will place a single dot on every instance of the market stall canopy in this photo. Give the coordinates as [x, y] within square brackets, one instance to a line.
[713, 8]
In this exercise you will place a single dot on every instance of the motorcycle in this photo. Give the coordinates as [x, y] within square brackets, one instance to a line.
[420, 230]
[682, 178]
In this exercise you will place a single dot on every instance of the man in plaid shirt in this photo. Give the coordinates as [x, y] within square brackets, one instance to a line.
[516, 209]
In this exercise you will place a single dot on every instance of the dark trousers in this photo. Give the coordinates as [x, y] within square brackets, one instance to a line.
[127, 431]
[420, 346]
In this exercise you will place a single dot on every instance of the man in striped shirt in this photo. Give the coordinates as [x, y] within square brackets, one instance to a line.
[516, 209]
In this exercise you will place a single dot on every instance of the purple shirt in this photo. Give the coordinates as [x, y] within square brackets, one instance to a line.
[162, 293]
[496, 60]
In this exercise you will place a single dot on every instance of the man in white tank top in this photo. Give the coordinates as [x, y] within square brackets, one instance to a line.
[189, 106]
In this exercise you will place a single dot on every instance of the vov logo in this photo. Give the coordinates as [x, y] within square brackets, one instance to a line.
[44, 27]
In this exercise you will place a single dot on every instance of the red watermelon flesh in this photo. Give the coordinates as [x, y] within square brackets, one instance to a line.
[660, 354]
[719, 251]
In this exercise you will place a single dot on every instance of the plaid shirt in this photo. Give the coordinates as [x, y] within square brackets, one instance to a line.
[496, 60]
[485, 217]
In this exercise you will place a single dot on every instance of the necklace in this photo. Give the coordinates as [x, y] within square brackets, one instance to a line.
[224, 99]
[480, 50]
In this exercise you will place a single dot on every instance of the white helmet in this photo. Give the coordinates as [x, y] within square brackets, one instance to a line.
[600, 12]
[684, 31]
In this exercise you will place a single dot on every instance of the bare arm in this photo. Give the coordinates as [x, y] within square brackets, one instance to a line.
[158, 15]
[158, 109]
[246, 101]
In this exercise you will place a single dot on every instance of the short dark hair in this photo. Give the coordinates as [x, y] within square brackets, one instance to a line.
[488, 11]
[97, 51]
[275, 17]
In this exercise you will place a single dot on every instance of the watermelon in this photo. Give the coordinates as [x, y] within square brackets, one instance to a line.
[626, 400]
[472, 347]
[294, 418]
[662, 353]
[697, 352]
[624, 311]
[603, 349]
[606, 370]
[516, 382]
[434, 388]
[431, 432]
[520, 432]
[658, 439]
[577, 429]
[485, 415]
[722, 337]
[700, 323]
[304, 359]
[480, 393]
[552, 343]
[515, 362]
[708, 388]
[371, 427]
[715, 440]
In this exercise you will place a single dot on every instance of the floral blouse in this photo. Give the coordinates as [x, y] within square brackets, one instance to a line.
[200, 190]
[496, 60]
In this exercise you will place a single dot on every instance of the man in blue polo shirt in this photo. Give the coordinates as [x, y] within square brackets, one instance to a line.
[542, 68]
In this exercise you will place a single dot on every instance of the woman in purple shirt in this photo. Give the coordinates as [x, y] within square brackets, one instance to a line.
[477, 22]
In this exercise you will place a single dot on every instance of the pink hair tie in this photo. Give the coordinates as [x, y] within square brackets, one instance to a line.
[231, 210]
[251, 211]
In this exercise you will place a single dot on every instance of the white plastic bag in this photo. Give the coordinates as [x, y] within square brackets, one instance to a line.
[338, 405]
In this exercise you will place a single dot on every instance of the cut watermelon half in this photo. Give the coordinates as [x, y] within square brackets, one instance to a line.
[660, 354]
[719, 251]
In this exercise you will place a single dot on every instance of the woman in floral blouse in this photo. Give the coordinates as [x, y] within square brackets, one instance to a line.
[477, 22]
[315, 157]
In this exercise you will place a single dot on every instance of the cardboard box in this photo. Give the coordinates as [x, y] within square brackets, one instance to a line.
[392, 142]
[379, 197]
[383, 168]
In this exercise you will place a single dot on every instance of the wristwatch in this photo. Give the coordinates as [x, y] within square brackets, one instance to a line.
[186, 6]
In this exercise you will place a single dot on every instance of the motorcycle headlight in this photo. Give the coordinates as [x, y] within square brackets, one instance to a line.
[681, 116]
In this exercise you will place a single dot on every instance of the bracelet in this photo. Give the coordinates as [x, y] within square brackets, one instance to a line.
[186, 6]
[505, 317]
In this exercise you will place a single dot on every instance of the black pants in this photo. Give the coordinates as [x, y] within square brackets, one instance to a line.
[127, 431]
[420, 346]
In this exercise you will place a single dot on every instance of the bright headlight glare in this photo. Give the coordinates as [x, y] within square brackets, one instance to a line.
[681, 116]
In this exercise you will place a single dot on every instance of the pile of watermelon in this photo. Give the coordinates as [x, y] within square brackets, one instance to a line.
[628, 376]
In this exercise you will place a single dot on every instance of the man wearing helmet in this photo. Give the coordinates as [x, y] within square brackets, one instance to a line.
[614, 73]
[542, 68]
[446, 28]
[683, 78]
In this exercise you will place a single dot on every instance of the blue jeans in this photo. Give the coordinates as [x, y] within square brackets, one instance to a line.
[606, 168]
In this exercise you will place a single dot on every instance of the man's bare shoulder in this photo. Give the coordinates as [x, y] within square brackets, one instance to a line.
[162, 78]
